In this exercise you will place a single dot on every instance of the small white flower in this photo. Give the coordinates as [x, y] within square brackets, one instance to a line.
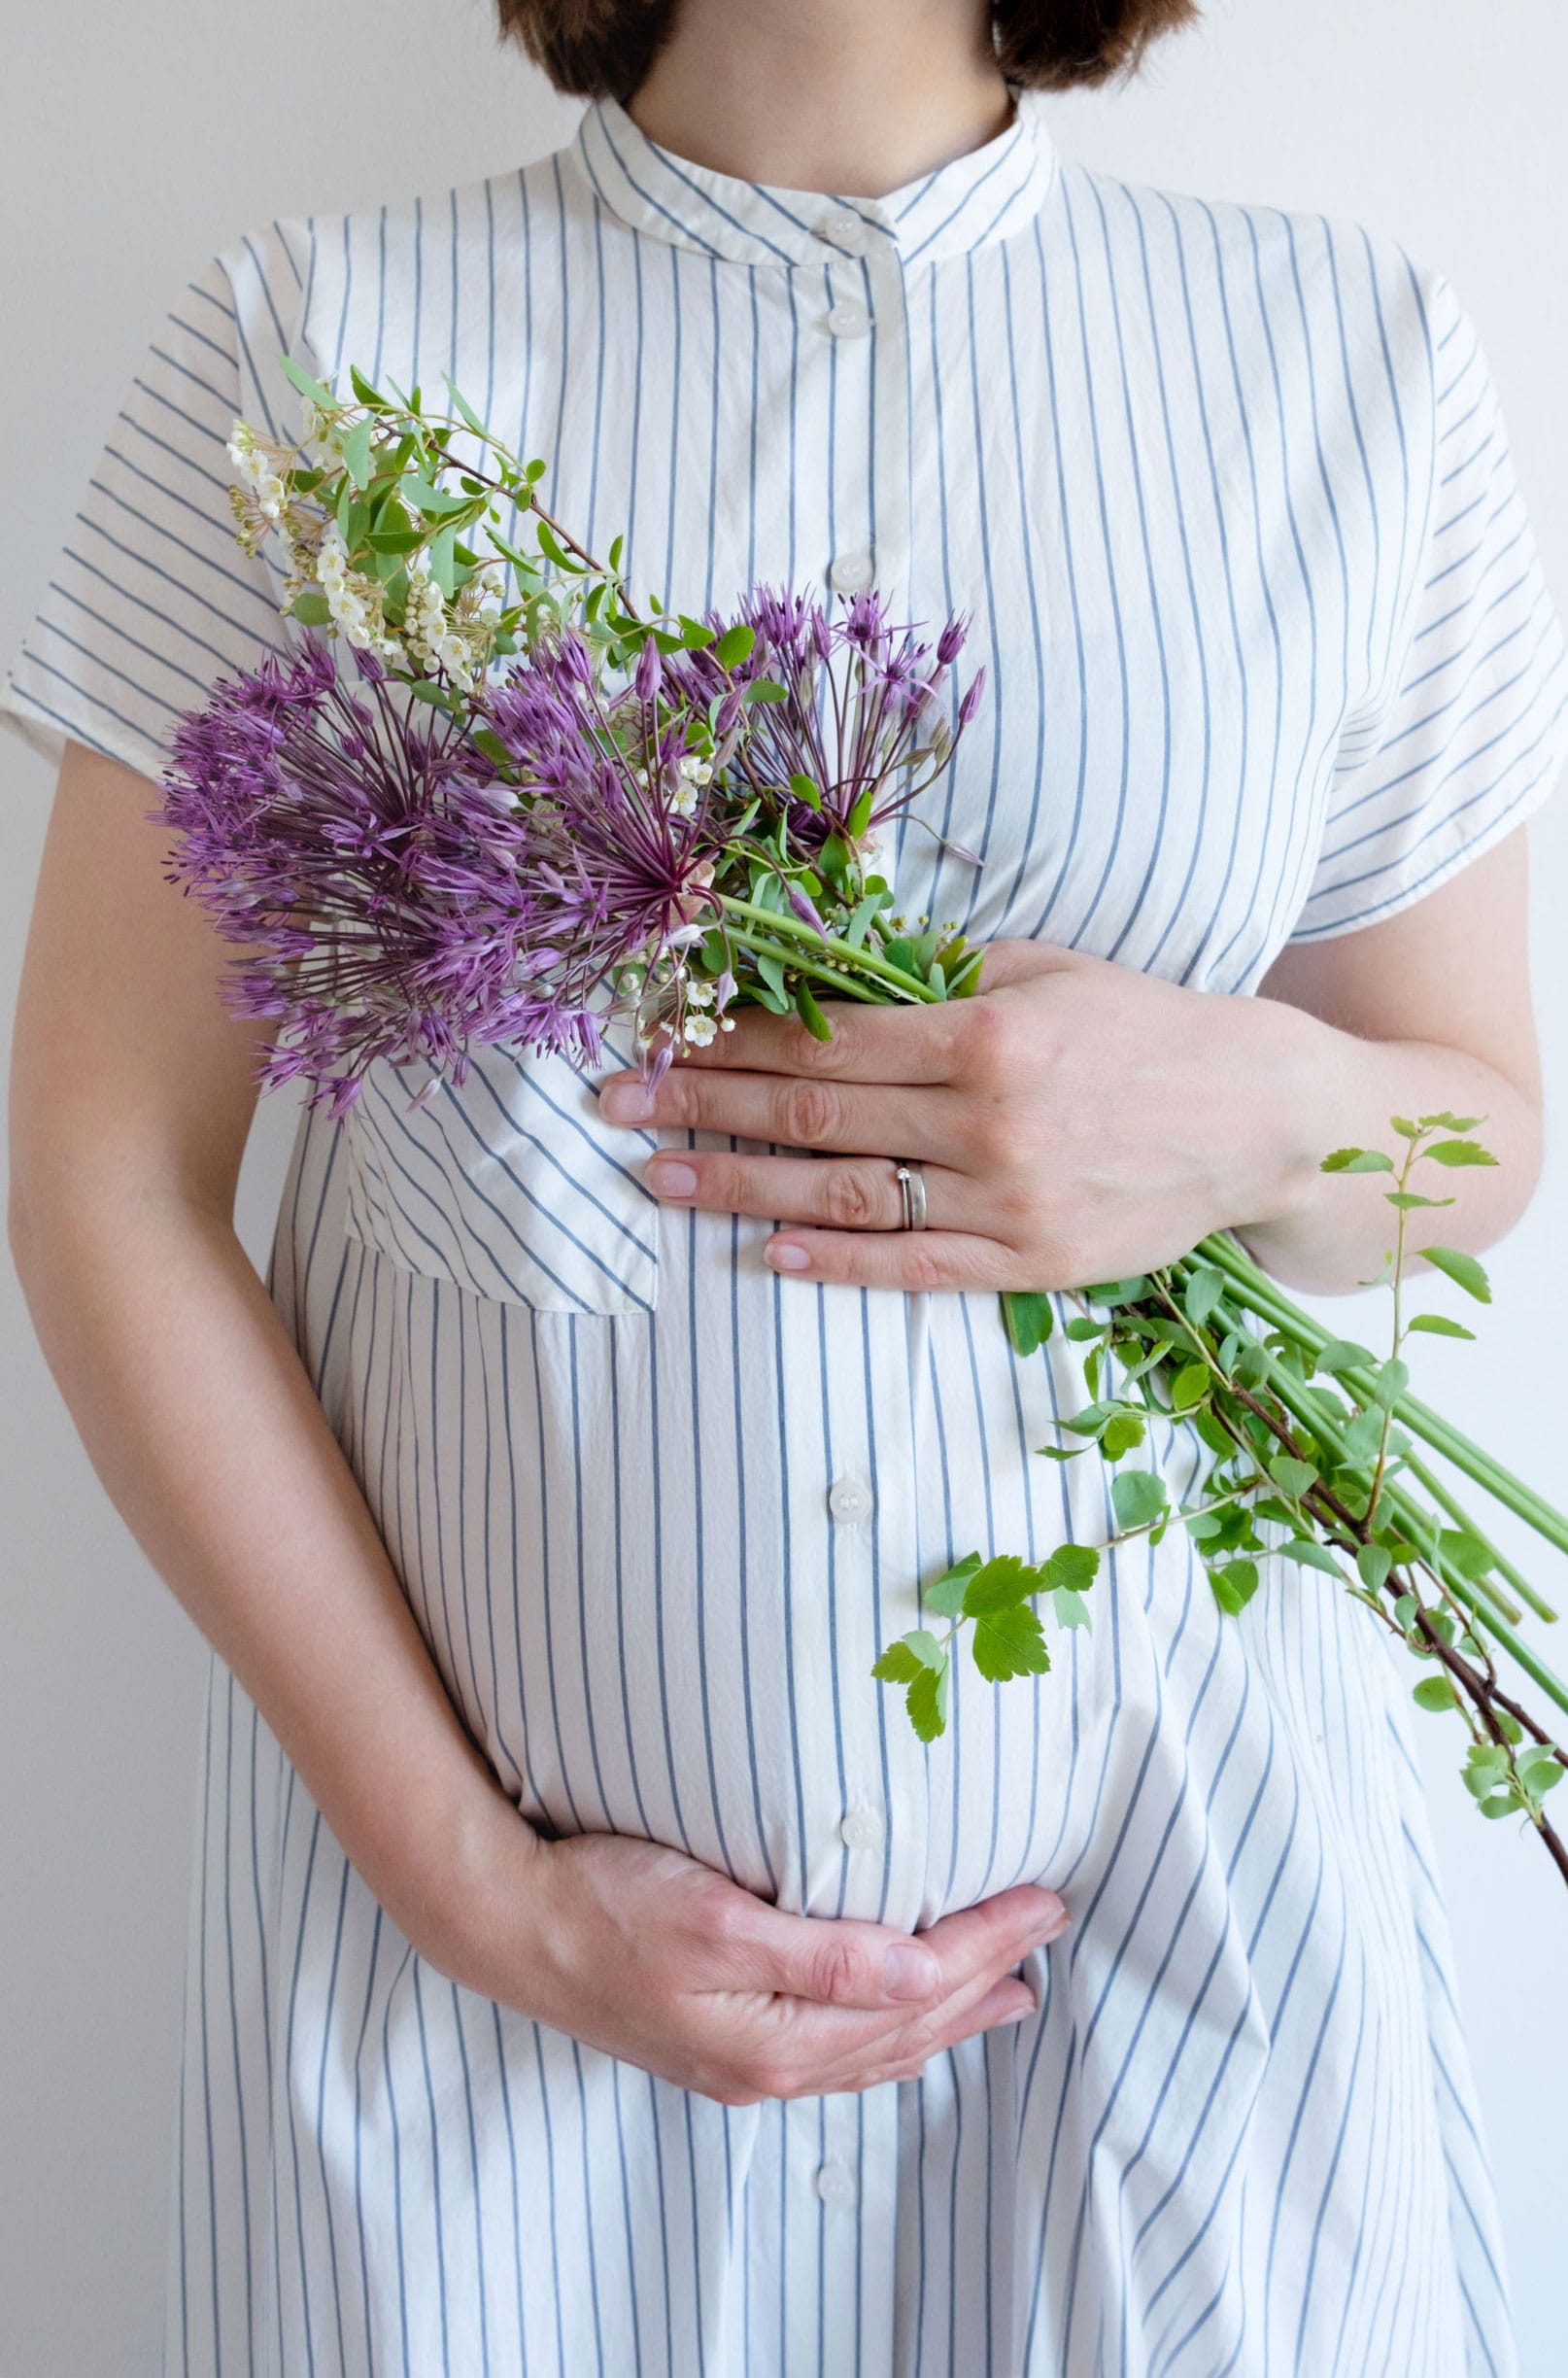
[700, 1030]
[700, 994]
[683, 799]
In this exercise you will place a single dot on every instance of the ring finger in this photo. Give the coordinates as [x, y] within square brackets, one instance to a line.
[841, 1193]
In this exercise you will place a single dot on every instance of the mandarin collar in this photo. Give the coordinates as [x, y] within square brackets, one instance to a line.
[983, 196]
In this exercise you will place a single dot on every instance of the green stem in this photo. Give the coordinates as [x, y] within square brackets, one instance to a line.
[862, 961]
[1268, 1301]
[759, 945]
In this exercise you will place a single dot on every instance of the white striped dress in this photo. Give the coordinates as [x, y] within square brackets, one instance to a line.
[1226, 494]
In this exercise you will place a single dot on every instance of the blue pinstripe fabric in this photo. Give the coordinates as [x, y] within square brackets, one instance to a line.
[1227, 495]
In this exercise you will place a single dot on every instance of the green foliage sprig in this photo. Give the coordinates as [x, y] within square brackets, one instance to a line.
[1313, 1446]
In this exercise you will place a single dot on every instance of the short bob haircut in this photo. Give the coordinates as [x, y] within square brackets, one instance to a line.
[603, 49]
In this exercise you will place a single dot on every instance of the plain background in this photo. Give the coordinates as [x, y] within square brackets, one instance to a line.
[140, 140]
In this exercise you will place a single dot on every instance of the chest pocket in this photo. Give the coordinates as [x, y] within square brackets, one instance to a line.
[510, 1186]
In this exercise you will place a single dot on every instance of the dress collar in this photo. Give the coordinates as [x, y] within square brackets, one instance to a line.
[964, 204]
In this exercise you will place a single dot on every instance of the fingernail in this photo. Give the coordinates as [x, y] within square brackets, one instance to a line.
[1053, 1928]
[625, 1101]
[670, 1180]
[908, 1972]
[784, 1257]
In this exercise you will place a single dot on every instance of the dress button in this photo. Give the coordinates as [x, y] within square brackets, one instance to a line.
[849, 570]
[848, 231]
[861, 1829]
[847, 320]
[849, 1498]
[835, 2185]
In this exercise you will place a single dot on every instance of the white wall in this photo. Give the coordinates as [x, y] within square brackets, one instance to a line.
[139, 140]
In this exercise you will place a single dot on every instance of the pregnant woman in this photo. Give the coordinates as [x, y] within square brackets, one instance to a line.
[590, 1972]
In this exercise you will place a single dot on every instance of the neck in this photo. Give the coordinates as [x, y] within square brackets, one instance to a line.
[854, 97]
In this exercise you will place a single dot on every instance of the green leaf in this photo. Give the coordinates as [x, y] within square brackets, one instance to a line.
[306, 386]
[1070, 1609]
[1122, 1431]
[946, 1596]
[1309, 1554]
[1343, 1354]
[860, 816]
[1458, 1152]
[1462, 1269]
[1234, 1585]
[1407, 1200]
[695, 635]
[1539, 1769]
[763, 689]
[1450, 1122]
[356, 452]
[487, 740]
[811, 1014]
[1433, 1693]
[1205, 1289]
[312, 609]
[1084, 1332]
[898, 1665]
[1072, 1568]
[1010, 1642]
[1190, 1384]
[804, 788]
[1390, 1383]
[1467, 1553]
[364, 390]
[1030, 1317]
[1138, 1497]
[999, 1585]
[1404, 1127]
[1362, 1437]
[734, 644]
[1357, 1161]
[927, 1702]
[1374, 1562]
[1294, 1478]
[1438, 1325]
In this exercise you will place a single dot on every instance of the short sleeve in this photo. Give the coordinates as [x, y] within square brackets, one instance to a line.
[150, 596]
[1469, 727]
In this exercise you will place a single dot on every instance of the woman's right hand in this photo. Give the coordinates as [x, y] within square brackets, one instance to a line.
[657, 1959]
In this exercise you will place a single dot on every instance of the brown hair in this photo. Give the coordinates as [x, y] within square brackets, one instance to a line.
[596, 49]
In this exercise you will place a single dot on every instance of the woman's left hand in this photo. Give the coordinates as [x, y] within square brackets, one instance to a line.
[1076, 1121]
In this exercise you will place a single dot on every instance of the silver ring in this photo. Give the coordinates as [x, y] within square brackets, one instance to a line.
[912, 1197]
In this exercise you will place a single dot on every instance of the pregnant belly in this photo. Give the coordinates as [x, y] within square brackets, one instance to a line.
[654, 1557]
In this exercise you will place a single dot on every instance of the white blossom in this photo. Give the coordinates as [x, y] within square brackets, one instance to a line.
[699, 1029]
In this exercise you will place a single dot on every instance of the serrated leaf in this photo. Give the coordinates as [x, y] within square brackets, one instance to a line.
[1450, 1122]
[999, 1585]
[1072, 1568]
[1438, 1325]
[1357, 1161]
[1407, 1200]
[1234, 1585]
[926, 1702]
[1462, 1269]
[1136, 1496]
[1458, 1152]
[1121, 1433]
[1433, 1693]
[1010, 1642]
[898, 1665]
[946, 1596]
[1029, 1318]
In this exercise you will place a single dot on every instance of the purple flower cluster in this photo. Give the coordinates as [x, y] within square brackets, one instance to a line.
[409, 882]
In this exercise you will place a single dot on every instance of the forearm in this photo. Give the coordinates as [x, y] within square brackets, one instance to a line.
[1306, 1088]
[203, 1424]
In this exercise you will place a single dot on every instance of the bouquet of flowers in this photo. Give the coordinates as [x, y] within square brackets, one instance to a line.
[537, 811]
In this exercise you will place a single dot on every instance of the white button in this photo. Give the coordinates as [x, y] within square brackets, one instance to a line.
[835, 2185]
[861, 1829]
[849, 570]
[848, 231]
[847, 320]
[849, 1498]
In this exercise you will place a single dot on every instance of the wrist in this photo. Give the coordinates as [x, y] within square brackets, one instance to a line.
[486, 1921]
[1291, 1084]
